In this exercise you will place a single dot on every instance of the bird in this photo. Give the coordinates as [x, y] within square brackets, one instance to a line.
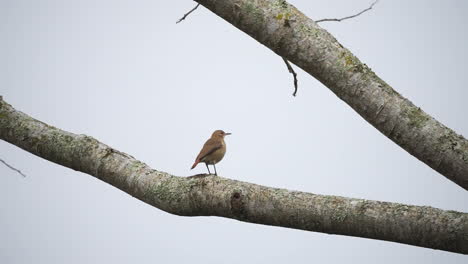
[213, 151]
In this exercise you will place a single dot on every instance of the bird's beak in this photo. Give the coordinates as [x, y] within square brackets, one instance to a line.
[227, 134]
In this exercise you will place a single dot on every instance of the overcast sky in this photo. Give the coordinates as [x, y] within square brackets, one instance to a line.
[123, 72]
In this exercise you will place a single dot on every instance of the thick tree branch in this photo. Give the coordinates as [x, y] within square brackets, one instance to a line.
[348, 17]
[204, 195]
[293, 36]
[290, 68]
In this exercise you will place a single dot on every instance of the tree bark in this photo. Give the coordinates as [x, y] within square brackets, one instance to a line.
[292, 35]
[208, 195]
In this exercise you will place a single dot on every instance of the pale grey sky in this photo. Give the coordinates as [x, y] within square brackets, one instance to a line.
[123, 72]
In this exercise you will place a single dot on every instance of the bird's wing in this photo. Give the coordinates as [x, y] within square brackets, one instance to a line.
[210, 146]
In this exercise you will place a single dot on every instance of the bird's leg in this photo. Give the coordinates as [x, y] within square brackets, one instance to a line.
[215, 169]
[208, 168]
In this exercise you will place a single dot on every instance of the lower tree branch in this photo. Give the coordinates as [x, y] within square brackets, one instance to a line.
[207, 195]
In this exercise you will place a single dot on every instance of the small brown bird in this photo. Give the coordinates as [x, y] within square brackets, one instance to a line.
[213, 151]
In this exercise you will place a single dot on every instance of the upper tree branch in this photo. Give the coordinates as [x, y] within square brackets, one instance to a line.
[295, 37]
[216, 196]
[290, 68]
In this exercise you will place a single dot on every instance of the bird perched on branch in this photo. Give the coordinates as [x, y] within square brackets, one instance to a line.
[213, 151]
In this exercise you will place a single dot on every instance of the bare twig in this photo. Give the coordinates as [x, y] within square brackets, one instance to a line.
[291, 70]
[348, 17]
[12, 168]
[187, 14]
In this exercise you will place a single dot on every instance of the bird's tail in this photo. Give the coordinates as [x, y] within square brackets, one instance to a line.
[195, 164]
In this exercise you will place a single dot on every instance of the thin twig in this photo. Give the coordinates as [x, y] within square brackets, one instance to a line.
[187, 14]
[348, 17]
[13, 168]
[291, 70]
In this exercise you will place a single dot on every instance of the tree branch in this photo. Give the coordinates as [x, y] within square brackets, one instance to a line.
[187, 14]
[302, 42]
[348, 17]
[206, 195]
[12, 168]
[288, 65]
[290, 68]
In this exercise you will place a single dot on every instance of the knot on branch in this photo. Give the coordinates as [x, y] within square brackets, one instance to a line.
[238, 204]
